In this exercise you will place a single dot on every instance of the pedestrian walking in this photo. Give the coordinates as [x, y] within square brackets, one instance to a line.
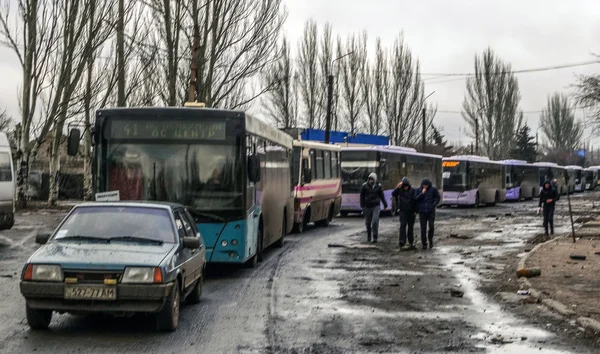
[371, 196]
[405, 197]
[428, 198]
[548, 198]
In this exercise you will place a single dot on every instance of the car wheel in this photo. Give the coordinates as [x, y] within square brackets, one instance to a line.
[38, 319]
[168, 319]
[196, 295]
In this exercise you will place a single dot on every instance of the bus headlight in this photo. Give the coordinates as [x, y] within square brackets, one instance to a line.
[224, 243]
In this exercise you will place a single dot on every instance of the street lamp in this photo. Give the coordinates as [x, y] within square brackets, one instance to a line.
[425, 121]
[330, 98]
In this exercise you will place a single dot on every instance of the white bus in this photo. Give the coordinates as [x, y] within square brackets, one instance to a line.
[576, 178]
[548, 171]
[317, 183]
[7, 185]
[472, 180]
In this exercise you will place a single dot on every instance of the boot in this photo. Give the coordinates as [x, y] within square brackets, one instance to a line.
[369, 236]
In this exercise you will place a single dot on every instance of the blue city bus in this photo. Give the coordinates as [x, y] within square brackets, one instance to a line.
[231, 170]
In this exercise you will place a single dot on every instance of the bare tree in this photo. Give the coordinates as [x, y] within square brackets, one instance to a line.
[492, 105]
[562, 131]
[404, 95]
[282, 100]
[6, 122]
[325, 53]
[308, 69]
[33, 38]
[373, 89]
[351, 67]
[588, 95]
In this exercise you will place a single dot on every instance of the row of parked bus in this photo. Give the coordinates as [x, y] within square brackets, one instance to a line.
[248, 184]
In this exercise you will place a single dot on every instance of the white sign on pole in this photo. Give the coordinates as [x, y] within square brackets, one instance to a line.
[112, 196]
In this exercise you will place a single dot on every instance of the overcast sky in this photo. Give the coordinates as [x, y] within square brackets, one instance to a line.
[445, 35]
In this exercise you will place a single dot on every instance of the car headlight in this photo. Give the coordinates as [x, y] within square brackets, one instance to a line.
[142, 275]
[43, 272]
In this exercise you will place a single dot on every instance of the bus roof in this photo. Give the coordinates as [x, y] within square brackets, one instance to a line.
[392, 149]
[317, 145]
[547, 164]
[472, 158]
[514, 162]
[574, 167]
[266, 131]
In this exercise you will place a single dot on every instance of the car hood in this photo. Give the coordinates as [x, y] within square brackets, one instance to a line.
[113, 256]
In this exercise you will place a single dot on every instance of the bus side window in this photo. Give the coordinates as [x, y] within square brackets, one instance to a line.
[319, 164]
[327, 163]
[334, 165]
[313, 164]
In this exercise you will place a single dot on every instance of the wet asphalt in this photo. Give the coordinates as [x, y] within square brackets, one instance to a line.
[310, 298]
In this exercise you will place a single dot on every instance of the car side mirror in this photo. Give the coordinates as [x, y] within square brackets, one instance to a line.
[73, 142]
[307, 175]
[191, 242]
[42, 239]
[253, 168]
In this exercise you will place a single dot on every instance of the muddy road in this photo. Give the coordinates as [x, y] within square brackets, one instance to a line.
[326, 291]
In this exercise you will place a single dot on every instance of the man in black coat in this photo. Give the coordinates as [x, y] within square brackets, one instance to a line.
[548, 198]
[406, 202]
[428, 199]
[371, 196]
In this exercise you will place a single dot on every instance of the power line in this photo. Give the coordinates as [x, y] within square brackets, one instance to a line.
[547, 68]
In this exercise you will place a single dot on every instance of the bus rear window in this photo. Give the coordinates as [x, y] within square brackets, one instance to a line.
[5, 169]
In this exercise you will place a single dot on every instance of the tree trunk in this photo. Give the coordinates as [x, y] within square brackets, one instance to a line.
[121, 56]
[54, 166]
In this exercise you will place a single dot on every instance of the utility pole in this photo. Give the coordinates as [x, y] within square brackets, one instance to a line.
[193, 88]
[471, 148]
[329, 108]
[424, 130]
[477, 136]
[330, 98]
[121, 55]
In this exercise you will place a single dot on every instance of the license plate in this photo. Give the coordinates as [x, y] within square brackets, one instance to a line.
[90, 293]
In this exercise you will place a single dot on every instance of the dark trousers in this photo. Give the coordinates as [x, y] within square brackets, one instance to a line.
[407, 221]
[372, 222]
[549, 217]
[427, 218]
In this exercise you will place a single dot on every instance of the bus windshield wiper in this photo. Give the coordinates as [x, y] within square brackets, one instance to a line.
[210, 216]
[135, 239]
[83, 238]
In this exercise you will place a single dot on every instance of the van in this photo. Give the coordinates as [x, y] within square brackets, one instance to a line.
[7, 185]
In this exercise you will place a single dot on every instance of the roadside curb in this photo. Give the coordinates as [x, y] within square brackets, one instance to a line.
[556, 306]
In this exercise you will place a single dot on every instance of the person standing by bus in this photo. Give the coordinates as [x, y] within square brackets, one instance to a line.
[371, 196]
[548, 198]
[405, 196]
[427, 199]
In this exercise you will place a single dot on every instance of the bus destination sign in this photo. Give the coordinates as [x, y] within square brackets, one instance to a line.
[450, 163]
[170, 130]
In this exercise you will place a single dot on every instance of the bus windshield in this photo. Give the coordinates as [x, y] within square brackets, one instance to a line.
[206, 177]
[455, 176]
[356, 167]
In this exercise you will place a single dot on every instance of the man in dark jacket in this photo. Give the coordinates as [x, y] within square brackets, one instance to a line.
[548, 198]
[427, 199]
[405, 196]
[371, 196]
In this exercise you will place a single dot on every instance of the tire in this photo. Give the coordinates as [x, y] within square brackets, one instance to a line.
[195, 297]
[476, 201]
[520, 195]
[260, 243]
[298, 227]
[8, 222]
[38, 319]
[279, 243]
[168, 318]
[344, 214]
[495, 200]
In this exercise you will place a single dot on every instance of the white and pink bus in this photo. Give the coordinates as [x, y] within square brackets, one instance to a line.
[317, 183]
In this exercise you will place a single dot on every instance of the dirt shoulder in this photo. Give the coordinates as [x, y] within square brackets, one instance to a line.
[573, 282]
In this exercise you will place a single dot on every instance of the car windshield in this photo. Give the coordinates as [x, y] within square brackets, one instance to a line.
[113, 222]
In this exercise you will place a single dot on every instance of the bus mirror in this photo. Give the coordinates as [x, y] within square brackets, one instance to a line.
[253, 168]
[307, 175]
[73, 142]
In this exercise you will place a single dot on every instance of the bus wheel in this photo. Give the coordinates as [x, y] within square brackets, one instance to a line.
[344, 214]
[476, 205]
[260, 243]
[279, 243]
[8, 221]
[298, 227]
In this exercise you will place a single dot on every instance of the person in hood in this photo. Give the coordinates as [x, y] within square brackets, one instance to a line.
[428, 199]
[405, 197]
[371, 196]
[548, 198]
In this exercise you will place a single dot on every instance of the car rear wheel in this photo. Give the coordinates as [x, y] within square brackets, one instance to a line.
[196, 295]
[168, 319]
[38, 319]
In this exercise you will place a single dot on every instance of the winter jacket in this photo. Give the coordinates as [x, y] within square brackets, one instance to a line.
[372, 195]
[548, 194]
[555, 188]
[428, 201]
[405, 198]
